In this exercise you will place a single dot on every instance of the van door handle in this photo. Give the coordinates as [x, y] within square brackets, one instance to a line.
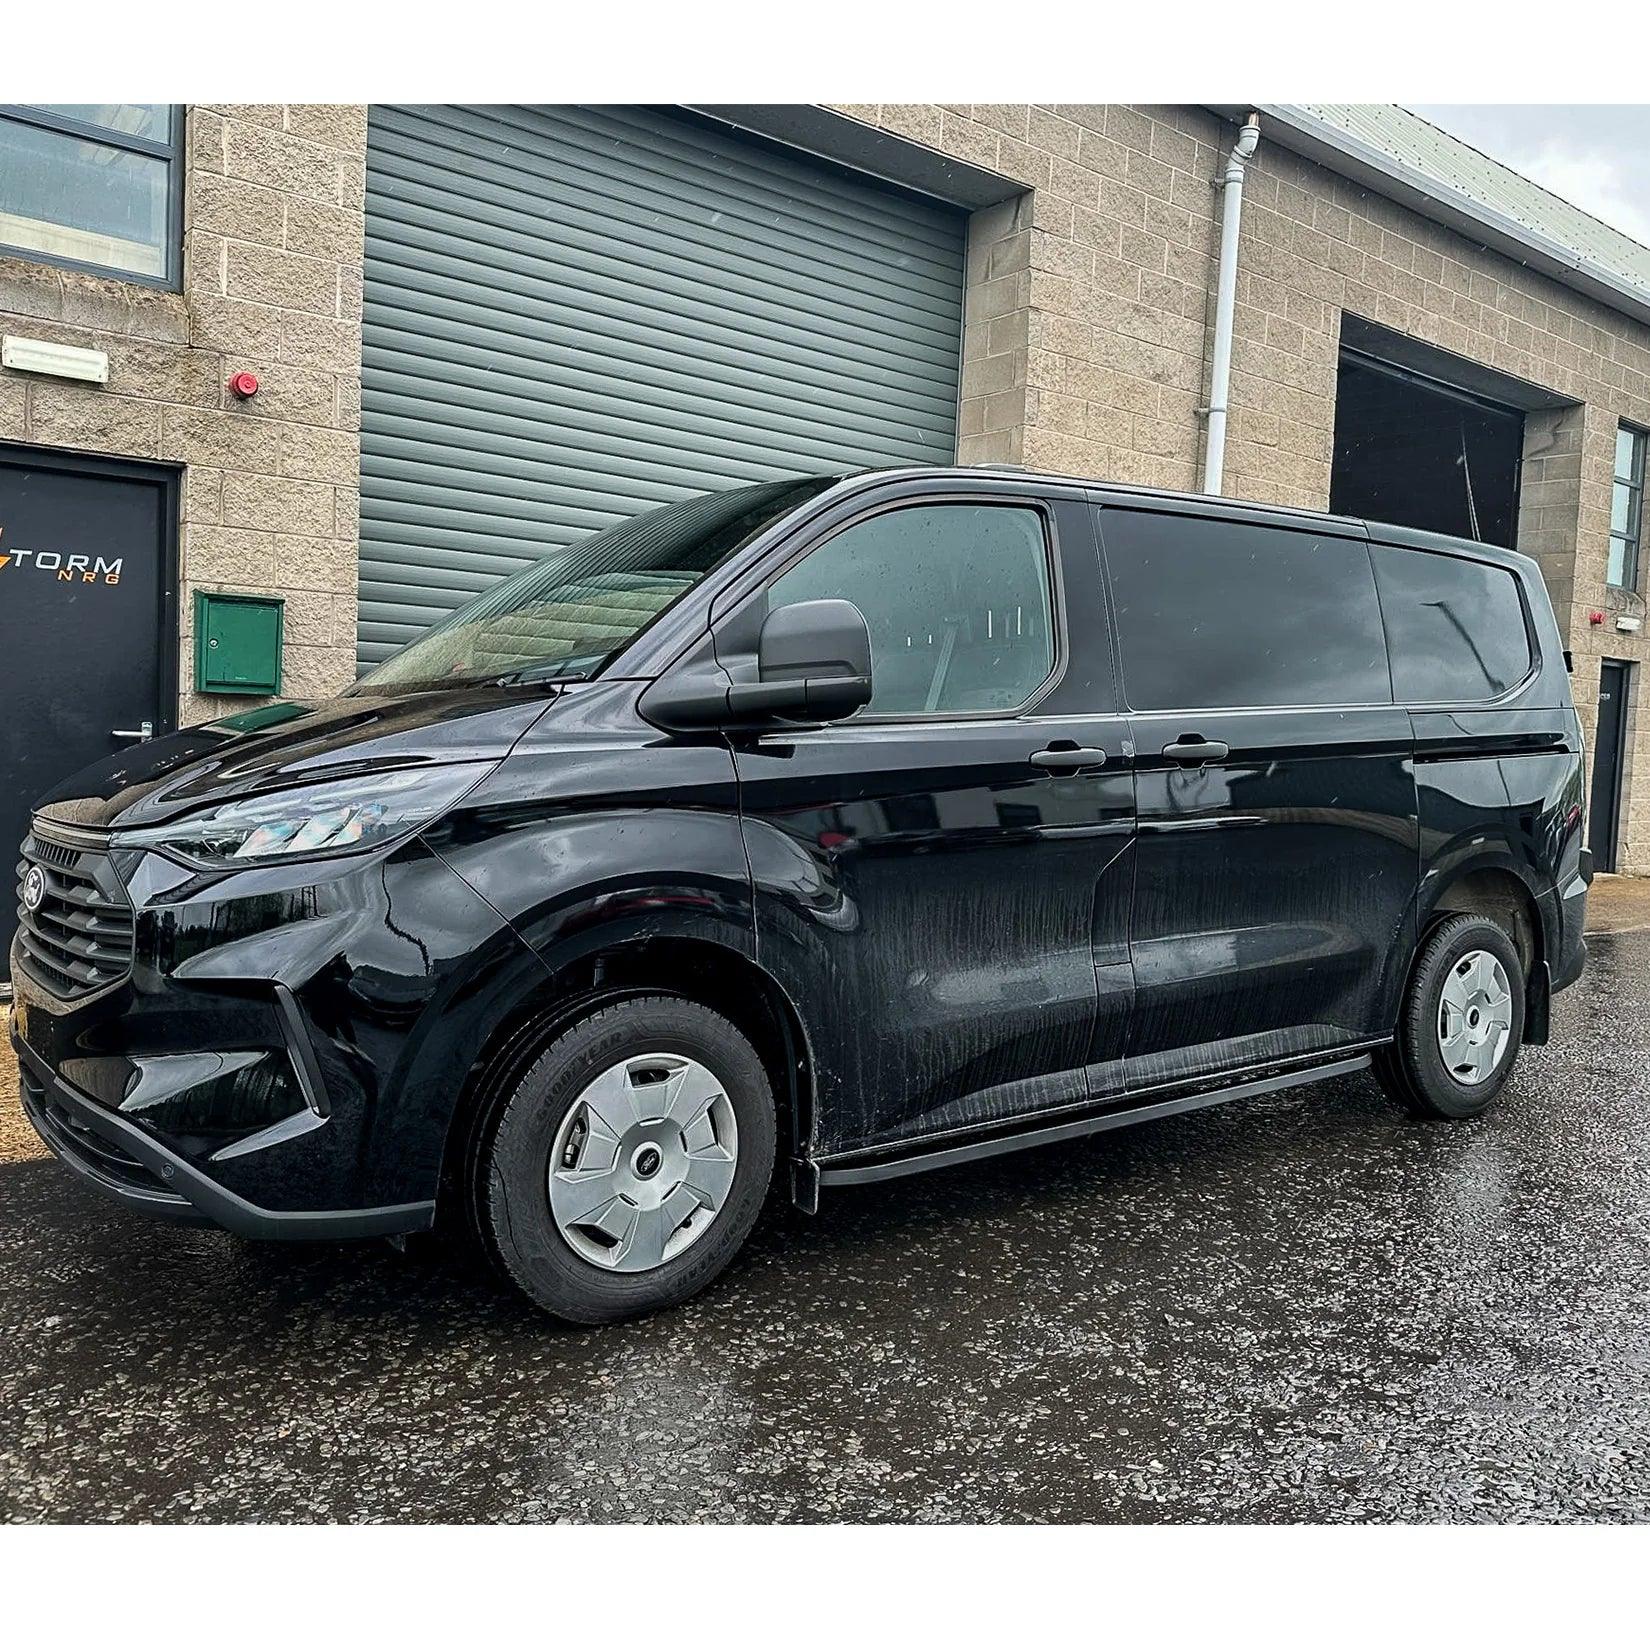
[1192, 750]
[1068, 758]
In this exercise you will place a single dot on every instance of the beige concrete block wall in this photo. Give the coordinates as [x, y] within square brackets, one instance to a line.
[1089, 310]
[273, 215]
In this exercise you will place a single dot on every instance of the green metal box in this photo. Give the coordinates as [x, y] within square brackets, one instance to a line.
[237, 643]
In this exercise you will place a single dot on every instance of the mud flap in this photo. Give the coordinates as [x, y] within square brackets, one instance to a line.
[1538, 1005]
[805, 1185]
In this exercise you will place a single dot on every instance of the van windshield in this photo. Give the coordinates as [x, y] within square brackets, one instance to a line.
[578, 605]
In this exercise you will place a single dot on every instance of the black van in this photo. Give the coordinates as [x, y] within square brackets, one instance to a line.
[842, 827]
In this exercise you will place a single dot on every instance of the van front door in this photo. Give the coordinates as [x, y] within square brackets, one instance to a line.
[942, 880]
[1277, 855]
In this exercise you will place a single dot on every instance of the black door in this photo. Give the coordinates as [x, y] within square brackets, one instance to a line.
[1277, 853]
[1608, 743]
[87, 649]
[942, 880]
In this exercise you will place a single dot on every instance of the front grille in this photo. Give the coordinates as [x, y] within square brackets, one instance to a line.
[79, 939]
[52, 853]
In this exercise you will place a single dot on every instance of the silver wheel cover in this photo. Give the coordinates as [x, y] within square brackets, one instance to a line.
[1474, 1017]
[643, 1162]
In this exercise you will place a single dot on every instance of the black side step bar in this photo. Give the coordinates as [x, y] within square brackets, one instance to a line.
[849, 1173]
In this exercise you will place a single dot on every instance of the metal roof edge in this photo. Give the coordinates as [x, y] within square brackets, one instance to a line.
[1331, 146]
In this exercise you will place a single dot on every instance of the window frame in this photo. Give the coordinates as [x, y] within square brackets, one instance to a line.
[1632, 539]
[170, 150]
[1036, 503]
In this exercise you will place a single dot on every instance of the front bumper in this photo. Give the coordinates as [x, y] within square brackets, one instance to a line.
[283, 1055]
[133, 1167]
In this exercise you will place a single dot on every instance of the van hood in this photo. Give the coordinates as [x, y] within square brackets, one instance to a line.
[284, 744]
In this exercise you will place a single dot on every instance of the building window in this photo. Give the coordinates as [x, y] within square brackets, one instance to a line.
[1627, 508]
[95, 186]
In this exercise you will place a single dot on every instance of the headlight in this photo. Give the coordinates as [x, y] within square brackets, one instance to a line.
[346, 816]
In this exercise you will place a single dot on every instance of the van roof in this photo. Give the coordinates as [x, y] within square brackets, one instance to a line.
[1209, 504]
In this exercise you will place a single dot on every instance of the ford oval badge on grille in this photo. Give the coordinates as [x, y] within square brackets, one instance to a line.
[34, 888]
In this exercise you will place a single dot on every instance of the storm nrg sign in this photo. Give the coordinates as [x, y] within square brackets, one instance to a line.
[71, 569]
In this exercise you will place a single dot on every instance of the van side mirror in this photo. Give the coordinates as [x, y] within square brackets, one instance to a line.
[813, 663]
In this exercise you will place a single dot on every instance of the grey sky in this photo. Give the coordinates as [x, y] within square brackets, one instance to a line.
[1593, 154]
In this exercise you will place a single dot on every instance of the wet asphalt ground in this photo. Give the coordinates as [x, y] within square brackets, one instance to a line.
[1301, 1307]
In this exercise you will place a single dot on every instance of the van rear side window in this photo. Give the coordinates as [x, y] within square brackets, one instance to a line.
[1224, 614]
[1455, 627]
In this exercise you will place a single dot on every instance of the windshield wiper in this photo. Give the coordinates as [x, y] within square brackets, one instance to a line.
[540, 673]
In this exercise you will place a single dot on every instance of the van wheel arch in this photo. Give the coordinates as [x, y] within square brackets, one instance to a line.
[700, 971]
[1501, 895]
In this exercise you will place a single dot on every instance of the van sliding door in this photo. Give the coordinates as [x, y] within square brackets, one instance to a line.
[1277, 855]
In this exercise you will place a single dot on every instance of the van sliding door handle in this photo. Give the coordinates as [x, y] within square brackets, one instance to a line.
[1068, 759]
[1193, 751]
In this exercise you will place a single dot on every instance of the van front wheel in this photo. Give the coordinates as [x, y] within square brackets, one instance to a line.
[1461, 1022]
[631, 1162]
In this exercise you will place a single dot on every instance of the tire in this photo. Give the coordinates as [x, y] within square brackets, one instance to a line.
[596, 1115]
[1415, 1070]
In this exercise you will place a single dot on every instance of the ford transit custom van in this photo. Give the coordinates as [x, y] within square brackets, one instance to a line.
[804, 835]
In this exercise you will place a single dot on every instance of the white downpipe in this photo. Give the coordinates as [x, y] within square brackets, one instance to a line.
[1220, 377]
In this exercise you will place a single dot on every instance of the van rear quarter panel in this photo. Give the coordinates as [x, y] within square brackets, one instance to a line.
[1499, 786]
[1500, 789]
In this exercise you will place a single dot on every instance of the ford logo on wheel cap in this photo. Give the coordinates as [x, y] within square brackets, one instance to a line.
[34, 889]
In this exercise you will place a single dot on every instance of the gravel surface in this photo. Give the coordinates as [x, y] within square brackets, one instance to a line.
[1298, 1307]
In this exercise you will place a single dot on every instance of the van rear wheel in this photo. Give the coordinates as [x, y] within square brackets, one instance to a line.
[631, 1162]
[1461, 1022]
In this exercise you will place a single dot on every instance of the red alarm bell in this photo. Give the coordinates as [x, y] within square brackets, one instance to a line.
[244, 385]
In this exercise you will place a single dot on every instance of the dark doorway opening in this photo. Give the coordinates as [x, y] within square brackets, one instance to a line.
[1615, 677]
[1420, 453]
[88, 623]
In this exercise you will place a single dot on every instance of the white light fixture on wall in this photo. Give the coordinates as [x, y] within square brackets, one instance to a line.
[90, 366]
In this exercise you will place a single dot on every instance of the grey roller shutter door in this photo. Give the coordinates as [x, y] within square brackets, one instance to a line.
[573, 314]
